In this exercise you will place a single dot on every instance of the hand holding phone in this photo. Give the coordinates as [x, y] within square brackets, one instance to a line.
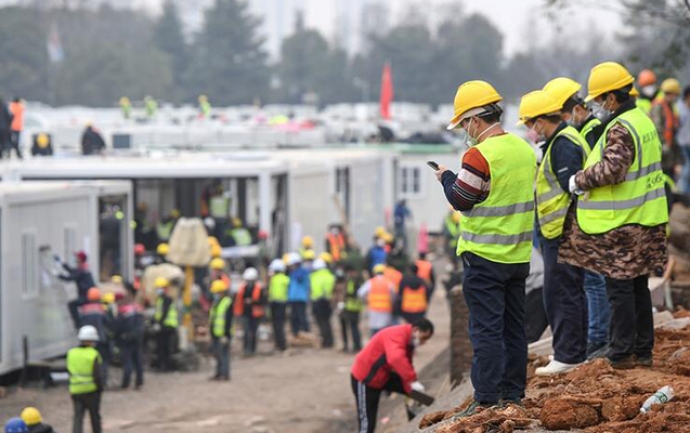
[433, 165]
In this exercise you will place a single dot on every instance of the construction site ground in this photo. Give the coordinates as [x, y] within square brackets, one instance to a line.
[303, 390]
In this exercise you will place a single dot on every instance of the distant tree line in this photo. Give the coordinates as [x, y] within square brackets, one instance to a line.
[111, 53]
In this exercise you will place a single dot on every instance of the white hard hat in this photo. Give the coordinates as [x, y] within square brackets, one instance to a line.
[250, 274]
[88, 333]
[319, 264]
[277, 265]
[293, 259]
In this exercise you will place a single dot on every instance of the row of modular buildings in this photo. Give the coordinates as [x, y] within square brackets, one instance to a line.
[55, 206]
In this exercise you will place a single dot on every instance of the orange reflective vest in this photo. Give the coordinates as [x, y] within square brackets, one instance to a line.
[394, 276]
[380, 298]
[414, 301]
[17, 110]
[257, 309]
[424, 268]
[336, 244]
[670, 122]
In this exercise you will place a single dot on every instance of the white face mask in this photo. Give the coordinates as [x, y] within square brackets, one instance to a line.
[472, 141]
[538, 136]
[649, 90]
[600, 111]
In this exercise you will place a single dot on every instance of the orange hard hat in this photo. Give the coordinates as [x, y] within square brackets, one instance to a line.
[93, 294]
[646, 77]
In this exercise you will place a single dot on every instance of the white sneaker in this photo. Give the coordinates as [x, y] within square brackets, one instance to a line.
[554, 367]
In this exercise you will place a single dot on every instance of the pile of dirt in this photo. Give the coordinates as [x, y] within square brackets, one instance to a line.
[503, 420]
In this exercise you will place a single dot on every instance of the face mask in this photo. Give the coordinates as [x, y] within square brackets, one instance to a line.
[380, 242]
[599, 111]
[216, 296]
[649, 90]
[160, 292]
[469, 140]
[572, 121]
[536, 137]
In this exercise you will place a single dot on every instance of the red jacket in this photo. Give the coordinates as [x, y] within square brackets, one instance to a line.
[390, 350]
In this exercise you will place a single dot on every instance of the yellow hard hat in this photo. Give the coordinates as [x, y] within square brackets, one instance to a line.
[561, 89]
[218, 286]
[671, 85]
[285, 258]
[471, 95]
[162, 282]
[308, 255]
[307, 242]
[607, 77]
[108, 298]
[217, 263]
[42, 140]
[124, 100]
[380, 230]
[536, 103]
[236, 222]
[163, 249]
[31, 416]
[379, 269]
[634, 92]
[117, 279]
[216, 251]
[203, 98]
[212, 240]
[174, 213]
[326, 257]
[456, 217]
[387, 237]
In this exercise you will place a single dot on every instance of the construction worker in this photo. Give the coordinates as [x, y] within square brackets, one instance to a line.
[130, 340]
[92, 142]
[646, 81]
[451, 231]
[493, 190]
[298, 294]
[566, 92]
[249, 308]
[217, 266]
[327, 258]
[277, 298]
[378, 294]
[307, 246]
[377, 253]
[151, 107]
[413, 297]
[564, 151]
[125, 107]
[220, 325]
[17, 110]
[86, 381]
[81, 275]
[162, 251]
[664, 114]
[34, 421]
[684, 139]
[93, 313]
[621, 198]
[16, 425]
[349, 309]
[385, 364]
[308, 257]
[166, 225]
[204, 107]
[335, 243]
[166, 321]
[322, 285]
[238, 234]
[425, 270]
[393, 275]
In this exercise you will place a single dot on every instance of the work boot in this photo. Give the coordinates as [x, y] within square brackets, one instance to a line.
[596, 350]
[645, 361]
[474, 408]
[626, 363]
[554, 367]
[503, 403]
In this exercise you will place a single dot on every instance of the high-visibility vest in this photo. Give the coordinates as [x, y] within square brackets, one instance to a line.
[241, 236]
[80, 362]
[171, 320]
[257, 309]
[164, 230]
[424, 268]
[17, 110]
[394, 276]
[453, 230]
[352, 302]
[500, 228]
[218, 206]
[380, 298]
[640, 198]
[414, 301]
[216, 316]
[644, 104]
[670, 120]
[587, 129]
[278, 288]
[322, 284]
[552, 201]
[336, 244]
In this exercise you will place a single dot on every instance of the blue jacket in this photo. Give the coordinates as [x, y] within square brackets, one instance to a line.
[298, 290]
[376, 256]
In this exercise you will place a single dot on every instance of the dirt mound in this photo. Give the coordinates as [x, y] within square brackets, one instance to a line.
[567, 413]
[503, 420]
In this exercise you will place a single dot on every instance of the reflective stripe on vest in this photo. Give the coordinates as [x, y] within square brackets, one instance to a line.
[278, 288]
[670, 121]
[257, 310]
[500, 228]
[164, 230]
[171, 319]
[80, 362]
[352, 302]
[379, 298]
[640, 198]
[414, 301]
[424, 268]
[336, 244]
[587, 129]
[216, 316]
[322, 283]
[552, 201]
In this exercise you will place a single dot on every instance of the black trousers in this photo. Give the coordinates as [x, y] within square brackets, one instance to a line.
[321, 308]
[87, 402]
[164, 340]
[535, 313]
[14, 140]
[565, 302]
[349, 323]
[631, 331]
[367, 400]
[299, 322]
[251, 326]
[132, 355]
[278, 310]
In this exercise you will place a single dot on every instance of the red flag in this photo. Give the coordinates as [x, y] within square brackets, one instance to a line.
[386, 91]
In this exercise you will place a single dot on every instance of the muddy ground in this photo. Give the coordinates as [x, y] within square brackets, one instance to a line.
[302, 391]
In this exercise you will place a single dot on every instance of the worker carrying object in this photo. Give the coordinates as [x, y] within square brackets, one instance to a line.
[86, 382]
[322, 283]
[249, 308]
[277, 298]
[166, 321]
[220, 327]
[385, 364]
[378, 294]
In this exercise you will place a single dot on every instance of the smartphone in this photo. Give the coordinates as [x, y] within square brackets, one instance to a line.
[433, 165]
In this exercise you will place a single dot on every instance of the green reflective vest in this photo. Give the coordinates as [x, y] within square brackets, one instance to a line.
[453, 230]
[241, 236]
[640, 198]
[164, 230]
[552, 201]
[216, 316]
[80, 362]
[500, 228]
[644, 104]
[352, 301]
[171, 320]
[322, 284]
[278, 288]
